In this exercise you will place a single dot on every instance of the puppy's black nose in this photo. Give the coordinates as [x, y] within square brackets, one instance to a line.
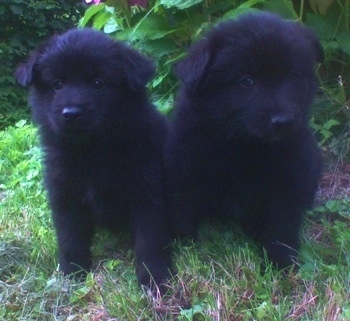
[71, 113]
[283, 122]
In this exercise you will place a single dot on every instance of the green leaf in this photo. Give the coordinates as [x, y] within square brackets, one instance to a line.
[101, 19]
[158, 80]
[158, 47]
[180, 4]
[232, 14]
[17, 10]
[343, 39]
[243, 8]
[21, 123]
[90, 12]
[330, 123]
[320, 6]
[283, 7]
[261, 311]
[190, 313]
[154, 27]
[333, 205]
[323, 27]
[111, 26]
[248, 4]
[110, 265]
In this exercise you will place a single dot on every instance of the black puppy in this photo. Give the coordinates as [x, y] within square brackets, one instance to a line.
[103, 144]
[240, 145]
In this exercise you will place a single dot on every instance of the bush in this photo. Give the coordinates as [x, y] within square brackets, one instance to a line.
[165, 29]
[23, 23]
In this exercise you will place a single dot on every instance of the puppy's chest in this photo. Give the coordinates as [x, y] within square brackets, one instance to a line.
[251, 171]
[105, 195]
[104, 198]
[92, 180]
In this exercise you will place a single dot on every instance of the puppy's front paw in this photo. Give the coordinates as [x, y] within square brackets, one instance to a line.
[154, 274]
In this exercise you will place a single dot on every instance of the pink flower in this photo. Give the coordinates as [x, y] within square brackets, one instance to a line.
[140, 3]
[92, 1]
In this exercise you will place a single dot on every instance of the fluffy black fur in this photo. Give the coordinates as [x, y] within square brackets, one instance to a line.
[103, 144]
[240, 145]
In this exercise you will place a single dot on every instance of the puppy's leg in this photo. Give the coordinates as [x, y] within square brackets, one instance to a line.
[74, 229]
[280, 231]
[152, 244]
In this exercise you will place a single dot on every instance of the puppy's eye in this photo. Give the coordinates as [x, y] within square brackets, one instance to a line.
[247, 82]
[98, 83]
[57, 84]
[293, 75]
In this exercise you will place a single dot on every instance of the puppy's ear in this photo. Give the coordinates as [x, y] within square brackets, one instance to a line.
[192, 70]
[139, 69]
[24, 73]
[316, 47]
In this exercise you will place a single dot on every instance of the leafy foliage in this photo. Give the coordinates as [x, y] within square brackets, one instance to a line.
[166, 28]
[23, 23]
[330, 19]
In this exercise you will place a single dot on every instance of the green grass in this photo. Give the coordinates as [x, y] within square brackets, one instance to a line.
[219, 277]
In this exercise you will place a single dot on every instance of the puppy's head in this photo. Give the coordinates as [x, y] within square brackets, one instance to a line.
[84, 82]
[253, 75]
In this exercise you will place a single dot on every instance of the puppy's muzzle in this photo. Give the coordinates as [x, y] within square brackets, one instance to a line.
[72, 113]
[283, 122]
